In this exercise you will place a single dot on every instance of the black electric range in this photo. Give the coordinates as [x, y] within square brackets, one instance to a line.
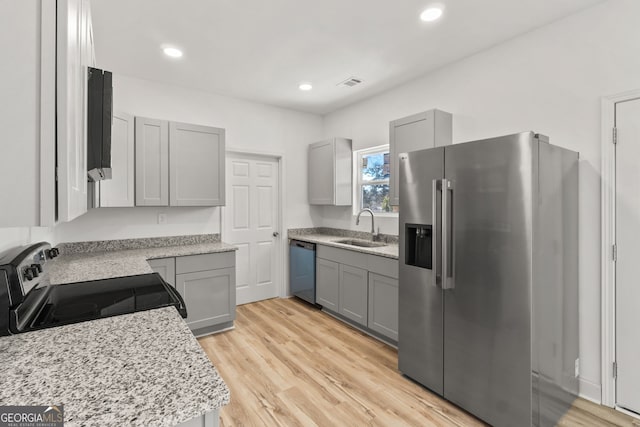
[28, 302]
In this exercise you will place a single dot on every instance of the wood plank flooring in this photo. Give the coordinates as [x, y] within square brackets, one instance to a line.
[289, 364]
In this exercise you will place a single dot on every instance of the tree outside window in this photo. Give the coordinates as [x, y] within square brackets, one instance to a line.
[373, 179]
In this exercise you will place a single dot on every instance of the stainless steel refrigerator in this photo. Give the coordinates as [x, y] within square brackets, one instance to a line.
[489, 276]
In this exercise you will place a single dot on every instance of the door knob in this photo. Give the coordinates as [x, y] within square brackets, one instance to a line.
[276, 234]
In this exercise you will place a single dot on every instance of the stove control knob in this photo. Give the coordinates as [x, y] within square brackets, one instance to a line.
[37, 267]
[28, 273]
[53, 252]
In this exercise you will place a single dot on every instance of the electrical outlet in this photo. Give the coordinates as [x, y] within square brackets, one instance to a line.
[577, 368]
[162, 218]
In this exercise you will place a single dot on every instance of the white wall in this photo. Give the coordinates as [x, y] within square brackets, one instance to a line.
[18, 236]
[249, 126]
[551, 81]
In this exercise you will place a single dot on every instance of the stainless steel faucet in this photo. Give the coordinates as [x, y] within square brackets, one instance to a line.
[373, 227]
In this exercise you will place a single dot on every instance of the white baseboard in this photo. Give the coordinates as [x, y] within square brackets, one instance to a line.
[590, 391]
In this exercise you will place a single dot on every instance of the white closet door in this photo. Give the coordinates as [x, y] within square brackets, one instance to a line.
[251, 224]
[628, 248]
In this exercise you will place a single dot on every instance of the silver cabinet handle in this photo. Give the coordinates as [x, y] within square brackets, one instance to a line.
[276, 234]
[447, 235]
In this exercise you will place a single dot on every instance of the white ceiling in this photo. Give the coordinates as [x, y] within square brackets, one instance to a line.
[262, 49]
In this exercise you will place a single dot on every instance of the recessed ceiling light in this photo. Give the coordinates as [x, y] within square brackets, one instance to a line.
[431, 14]
[172, 52]
[305, 86]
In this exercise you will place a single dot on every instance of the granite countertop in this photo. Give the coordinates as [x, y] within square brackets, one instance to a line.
[137, 369]
[105, 264]
[390, 250]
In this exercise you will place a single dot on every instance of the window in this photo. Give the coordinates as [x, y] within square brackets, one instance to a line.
[372, 180]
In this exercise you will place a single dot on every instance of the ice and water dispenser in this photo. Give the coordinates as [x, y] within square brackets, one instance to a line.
[418, 245]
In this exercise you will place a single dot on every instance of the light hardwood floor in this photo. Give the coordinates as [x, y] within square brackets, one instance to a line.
[289, 364]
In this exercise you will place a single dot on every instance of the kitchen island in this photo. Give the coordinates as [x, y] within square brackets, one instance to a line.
[140, 369]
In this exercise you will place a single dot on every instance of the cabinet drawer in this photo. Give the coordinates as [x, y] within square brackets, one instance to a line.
[191, 263]
[343, 256]
[383, 265]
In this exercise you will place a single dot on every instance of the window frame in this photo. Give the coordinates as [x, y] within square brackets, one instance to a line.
[358, 182]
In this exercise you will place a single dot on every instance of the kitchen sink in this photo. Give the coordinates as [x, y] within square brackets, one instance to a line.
[361, 243]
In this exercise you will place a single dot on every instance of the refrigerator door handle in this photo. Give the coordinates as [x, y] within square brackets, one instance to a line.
[436, 268]
[447, 232]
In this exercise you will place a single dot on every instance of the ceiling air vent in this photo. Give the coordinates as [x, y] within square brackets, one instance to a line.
[350, 82]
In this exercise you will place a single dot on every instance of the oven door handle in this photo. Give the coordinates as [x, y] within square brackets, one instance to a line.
[182, 309]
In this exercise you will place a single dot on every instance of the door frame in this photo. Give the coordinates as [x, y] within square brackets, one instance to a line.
[608, 239]
[281, 245]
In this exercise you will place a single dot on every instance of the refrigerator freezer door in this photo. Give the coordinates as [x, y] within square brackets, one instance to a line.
[420, 300]
[487, 328]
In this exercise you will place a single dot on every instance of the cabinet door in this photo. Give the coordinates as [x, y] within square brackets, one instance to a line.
[210, 296]
[197, 161]
[327, 284]
[166, 268]
[118, 191]
[71, 108]
[417, 132]
[353, 293]
[383, 305]
[152, 162]
[322, 173]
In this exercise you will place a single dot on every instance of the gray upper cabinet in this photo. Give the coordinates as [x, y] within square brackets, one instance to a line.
[196, 165]
[178, 164]
[152, 162]
[119, 190]
[429, 129]
[330, 173]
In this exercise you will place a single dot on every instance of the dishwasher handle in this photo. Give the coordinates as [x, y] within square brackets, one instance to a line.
[303, 245]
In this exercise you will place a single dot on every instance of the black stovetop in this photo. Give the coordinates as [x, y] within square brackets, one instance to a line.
[82, 301]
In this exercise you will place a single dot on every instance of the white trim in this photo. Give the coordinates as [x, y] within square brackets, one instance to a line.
[47, 128]
[628, 412]
[281, 254]
[608, 215]
[590, 391]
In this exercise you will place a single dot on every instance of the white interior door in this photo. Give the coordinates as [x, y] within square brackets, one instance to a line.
[628, 251]
[251, 223]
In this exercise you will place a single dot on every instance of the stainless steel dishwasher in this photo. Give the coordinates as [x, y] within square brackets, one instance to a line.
[302, 270]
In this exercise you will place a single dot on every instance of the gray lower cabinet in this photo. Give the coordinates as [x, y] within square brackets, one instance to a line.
[209, 296]
[383, 305]
[362, 288]
[207, 283]
[210, 419]
[166, 268]
[328, 283]
[353, 293]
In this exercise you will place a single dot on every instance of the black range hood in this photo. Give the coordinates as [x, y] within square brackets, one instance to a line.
[99, 120]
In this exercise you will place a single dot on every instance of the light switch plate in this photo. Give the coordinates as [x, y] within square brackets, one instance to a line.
[577, 368]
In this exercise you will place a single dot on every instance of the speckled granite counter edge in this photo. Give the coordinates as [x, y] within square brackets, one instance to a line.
[340, 232]
[329, 239]
[139, 243]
